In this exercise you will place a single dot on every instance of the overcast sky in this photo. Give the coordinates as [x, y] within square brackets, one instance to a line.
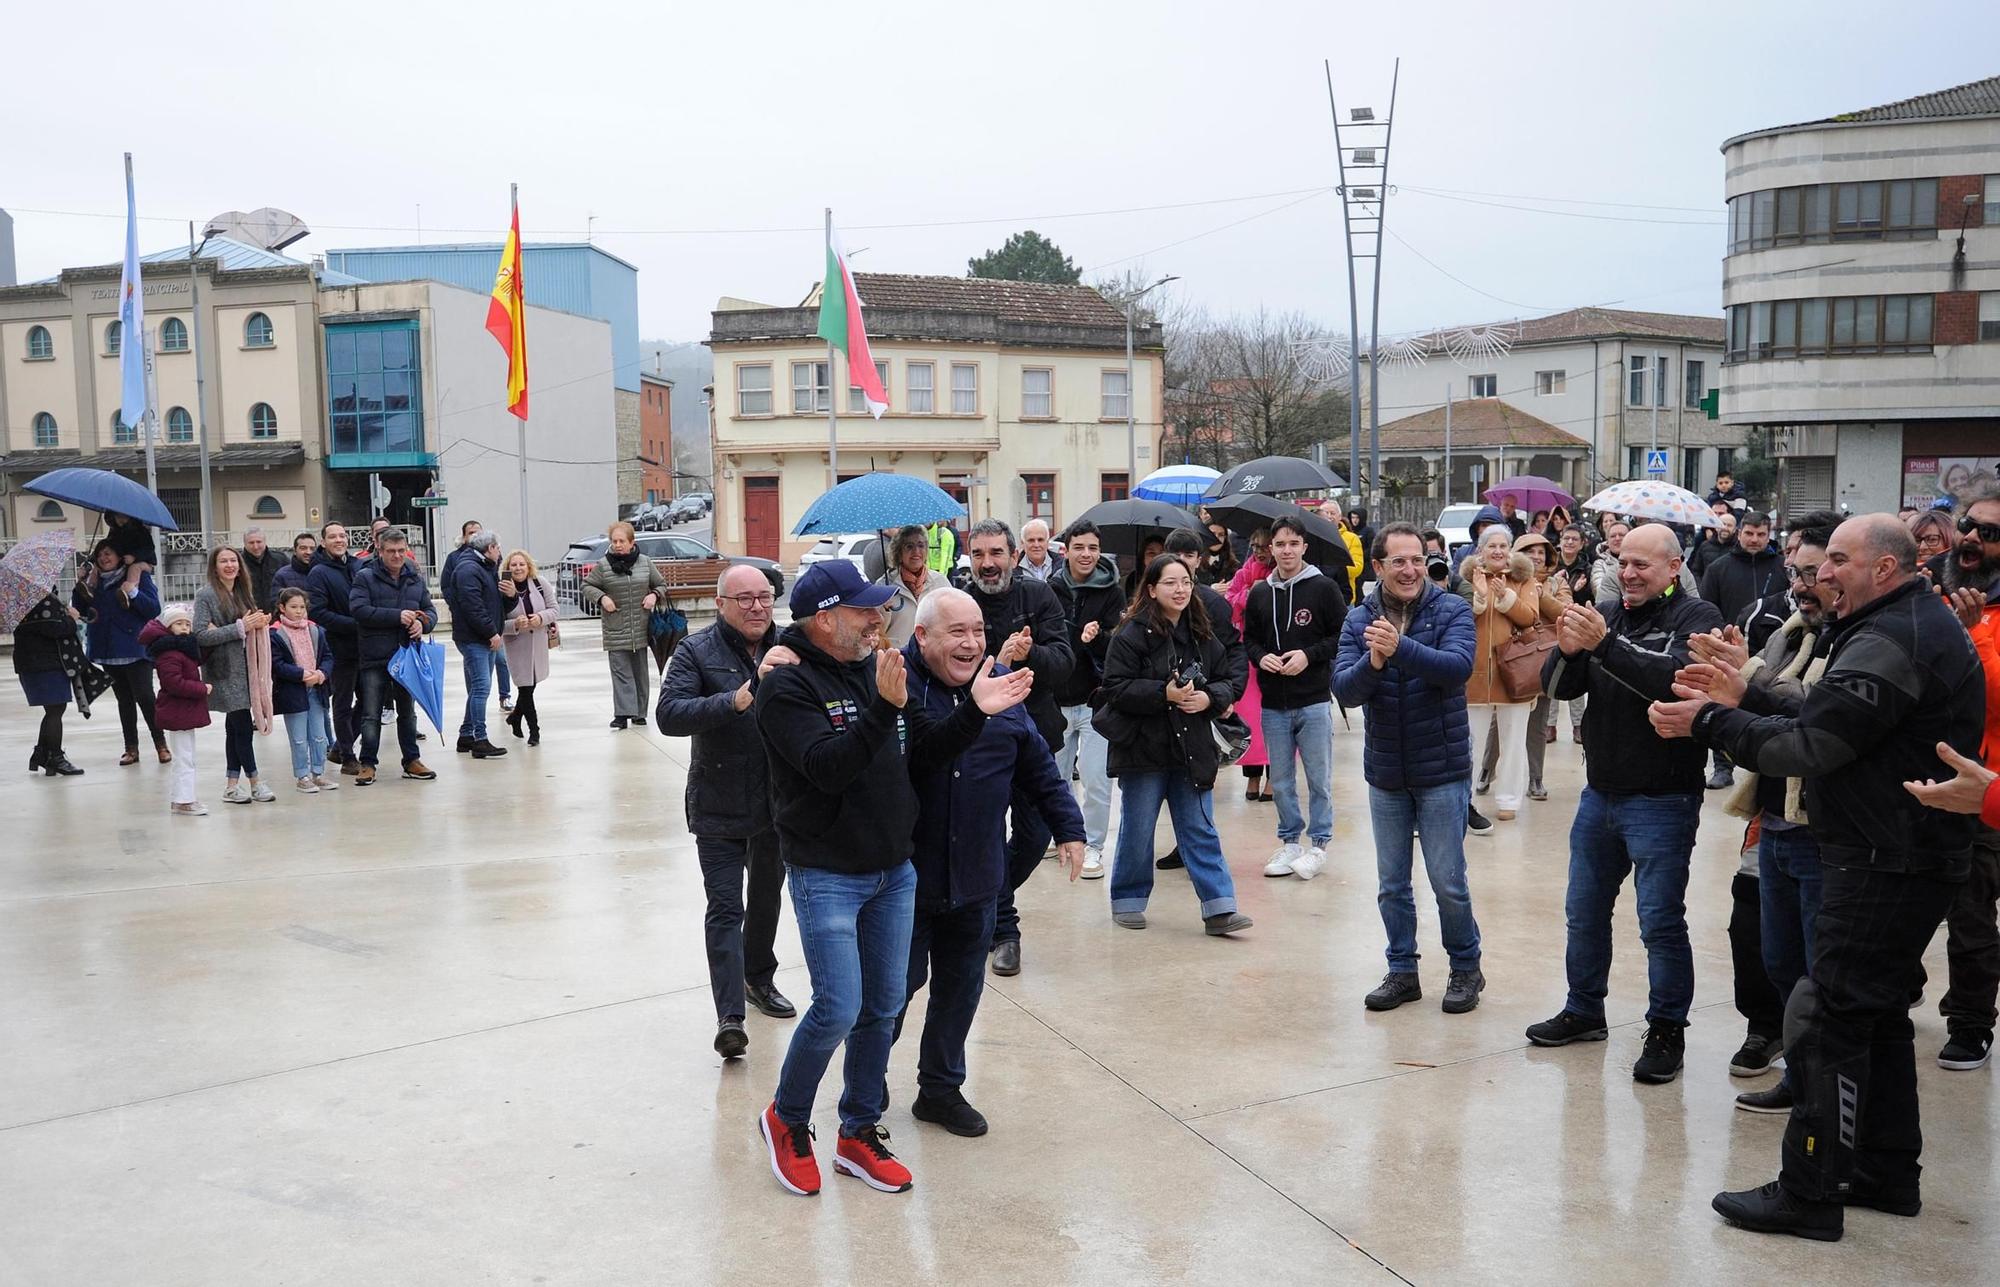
[743, 117]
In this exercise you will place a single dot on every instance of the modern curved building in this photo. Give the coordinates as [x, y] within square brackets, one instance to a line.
[1862, 292]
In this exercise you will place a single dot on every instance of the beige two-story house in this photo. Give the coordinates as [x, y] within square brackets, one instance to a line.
[1012, 396]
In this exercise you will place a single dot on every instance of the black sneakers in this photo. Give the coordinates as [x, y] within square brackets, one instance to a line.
[1398, 987]
[1966, 1051]
[1477, 823]
[1660, 1058]
[1755, 1056]
[1461, 992]
[950, 1111]
[1770, 1209]
[1565, 1028]
[1778, 1099]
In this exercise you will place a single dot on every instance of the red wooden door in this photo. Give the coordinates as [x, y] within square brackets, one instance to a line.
[760, 518]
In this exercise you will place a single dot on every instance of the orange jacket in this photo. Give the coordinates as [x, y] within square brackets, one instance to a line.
[1986, 641]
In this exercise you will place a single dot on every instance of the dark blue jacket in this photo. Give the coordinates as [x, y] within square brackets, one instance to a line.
[289, 693]
[1417, 734]
[961, 835]
[728, 783]
[378, 602]
[472, 588]
[290, 575]
[113, 629]
[328, 587]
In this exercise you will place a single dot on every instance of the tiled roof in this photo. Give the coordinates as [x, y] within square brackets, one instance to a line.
[1596, 324]
[1007, 300]
[1976, 98]
[1476, 422]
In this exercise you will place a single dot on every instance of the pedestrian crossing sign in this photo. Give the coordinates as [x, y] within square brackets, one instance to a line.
[1656, 462]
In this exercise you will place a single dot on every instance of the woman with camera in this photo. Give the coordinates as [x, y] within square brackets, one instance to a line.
[1505, 598]
[1163, 688]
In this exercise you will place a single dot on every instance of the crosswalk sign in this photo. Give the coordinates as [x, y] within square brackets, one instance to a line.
[1656, 462]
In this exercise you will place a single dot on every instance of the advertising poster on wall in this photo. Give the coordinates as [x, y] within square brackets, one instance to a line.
[1927, 479]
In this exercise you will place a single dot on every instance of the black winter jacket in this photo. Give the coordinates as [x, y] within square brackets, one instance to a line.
[1031, 603]
[329, 586]
[1147, 735]
[1633, 668]
[472, 588]
[261, 568]
[1901, 677]
[1304, 614]
[1235, 657]
[294, 573]
[840, 757]
[1737, 579]
[961, 836]
[728, 784]
[1101, 599]
[378, 602]
[1761, 620]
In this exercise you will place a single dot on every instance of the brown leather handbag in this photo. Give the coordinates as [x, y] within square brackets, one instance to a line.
[1520, 659]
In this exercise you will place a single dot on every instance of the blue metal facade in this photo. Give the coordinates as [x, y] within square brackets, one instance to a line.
[573, 277]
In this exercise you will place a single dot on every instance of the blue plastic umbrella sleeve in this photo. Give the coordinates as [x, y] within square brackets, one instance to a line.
[878, 500]
[104, 491]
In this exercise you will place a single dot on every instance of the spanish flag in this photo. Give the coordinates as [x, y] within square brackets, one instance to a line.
[507, 317]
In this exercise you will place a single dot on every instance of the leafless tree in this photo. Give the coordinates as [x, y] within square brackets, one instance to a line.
[1239, 388]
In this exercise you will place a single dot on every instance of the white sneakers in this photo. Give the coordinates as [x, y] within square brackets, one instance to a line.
[261, 793]
[325, 783]
[189, 809]
[236, 793]
[1292, 860]
[307, 786]
[1284, 862]
[1093, 863]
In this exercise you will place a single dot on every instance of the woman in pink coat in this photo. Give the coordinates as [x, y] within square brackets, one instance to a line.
[529, 628]
[1251, 705]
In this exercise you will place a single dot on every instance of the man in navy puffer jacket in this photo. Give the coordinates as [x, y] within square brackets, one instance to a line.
[1405, 655]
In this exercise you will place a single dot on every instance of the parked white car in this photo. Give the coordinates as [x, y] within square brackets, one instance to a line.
[848, 545]
[1454, 523]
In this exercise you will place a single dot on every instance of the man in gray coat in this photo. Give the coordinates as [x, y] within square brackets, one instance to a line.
[706, 695]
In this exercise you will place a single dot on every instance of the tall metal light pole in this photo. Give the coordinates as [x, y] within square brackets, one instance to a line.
[200, 399]
[1132, 390]
[1364, 191]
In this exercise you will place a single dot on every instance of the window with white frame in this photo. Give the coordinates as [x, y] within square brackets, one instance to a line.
[857, 402]
[1662, 377]
[920, 379]
[46, 433]
[1989, 315]
[1696, 377]
[1114, 398]
[41, 348]
[1038, 393]
[1635, 392]
[1550, 383]
[1993, 201]
[1483, 386]
[964, 389]
[812, 388]
[753, 390]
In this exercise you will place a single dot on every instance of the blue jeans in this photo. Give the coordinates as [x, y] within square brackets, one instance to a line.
[855, 930]
[500, 670]
[1308, 733]
[1081, 740]
[306, 730]
[1193, 812]
[1649, 836]
[1788, 884]
[1438, 813]
[478, 663]
[373, 687]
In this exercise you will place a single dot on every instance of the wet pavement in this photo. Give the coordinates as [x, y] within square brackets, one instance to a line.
[458, 1032]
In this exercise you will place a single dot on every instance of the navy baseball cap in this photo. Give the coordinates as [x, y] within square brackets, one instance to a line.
[836, 583]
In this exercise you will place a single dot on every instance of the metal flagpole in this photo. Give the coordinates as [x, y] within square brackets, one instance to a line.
[832, 406]
[520, 302]
[145, 425]
[1447, 444]
[200, 400]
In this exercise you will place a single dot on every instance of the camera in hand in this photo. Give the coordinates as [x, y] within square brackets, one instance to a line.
[1438, 567]
[1192, 674]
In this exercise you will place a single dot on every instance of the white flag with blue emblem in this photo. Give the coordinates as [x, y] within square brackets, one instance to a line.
[132, 321]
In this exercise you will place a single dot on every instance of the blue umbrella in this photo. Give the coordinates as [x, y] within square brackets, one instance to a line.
[102, 490]
[419, 667]
[1176, 484]
[875, 501]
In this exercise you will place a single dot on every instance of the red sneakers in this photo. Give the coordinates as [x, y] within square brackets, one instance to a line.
[791, 1152]
[866, 1157]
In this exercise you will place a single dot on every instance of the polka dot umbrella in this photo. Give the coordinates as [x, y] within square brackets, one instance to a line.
[1661, 502]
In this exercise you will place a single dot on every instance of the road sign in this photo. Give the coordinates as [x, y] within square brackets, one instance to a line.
[427, 502]
[1656, 462]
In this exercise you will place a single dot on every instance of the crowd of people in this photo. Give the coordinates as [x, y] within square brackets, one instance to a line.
[906, 752]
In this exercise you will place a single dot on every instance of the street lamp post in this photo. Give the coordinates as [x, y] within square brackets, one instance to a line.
[1131, 388]
[200, 400]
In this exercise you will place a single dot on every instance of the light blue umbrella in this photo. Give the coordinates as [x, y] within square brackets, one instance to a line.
[1176, 484]
[419, 667]
[875, 501]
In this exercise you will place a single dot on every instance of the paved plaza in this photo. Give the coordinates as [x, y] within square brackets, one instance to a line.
[458, 1032]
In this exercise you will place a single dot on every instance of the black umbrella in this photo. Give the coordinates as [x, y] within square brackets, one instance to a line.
[1273, 476]
[1124, 526]
[1244, 514]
